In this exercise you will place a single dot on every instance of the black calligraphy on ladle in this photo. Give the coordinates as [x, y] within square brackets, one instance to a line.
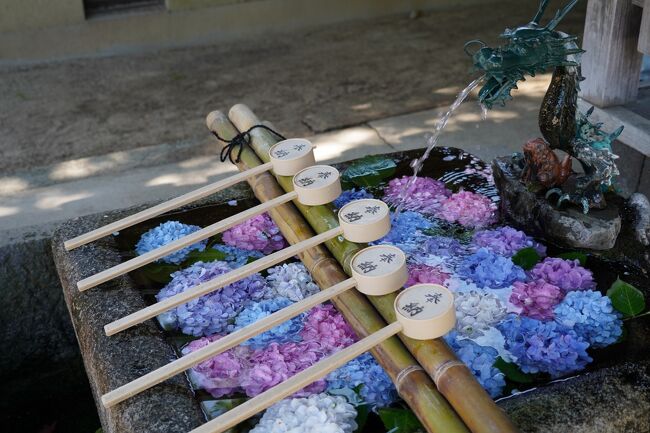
[305, 181]
[387, 257]
[413, 309]
[281, 153]
[353, 216]
[324, 174]
[372, 210]
[433, 297]
[366, 267]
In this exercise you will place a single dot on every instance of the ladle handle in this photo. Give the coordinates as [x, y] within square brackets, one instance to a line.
[164, 207]
[219, 282]
[211, 230]
[221, 345]
[297, 382]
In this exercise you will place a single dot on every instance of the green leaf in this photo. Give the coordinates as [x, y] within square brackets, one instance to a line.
[401, 420]
[512, 371]
[526, 258]
[159, 272]
[369, 171]
[582, 257]
[626, 298]
[207, 255]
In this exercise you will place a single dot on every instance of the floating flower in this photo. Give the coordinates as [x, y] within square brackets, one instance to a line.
[350, 195]
[222, 374]
[480, 360]
[166, 233]
[421, 274]
[377, 390]
[283, 333]
[291, 281]
[506, 241]
[592, 316]
[327, 327]
[566, 274]
[258, 233]
[468, 209]
[406, 231]
[424, 195]
[476, 312]
[489, 270]
[545, 347]
[443, 246]
[537, 299]
[215, 312]
[277, 362]
[319, 413]
[237, 257]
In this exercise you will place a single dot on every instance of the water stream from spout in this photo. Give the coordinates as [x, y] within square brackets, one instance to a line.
[432, 140]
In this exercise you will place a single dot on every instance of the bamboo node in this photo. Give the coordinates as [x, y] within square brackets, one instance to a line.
[405, 372]
[442, 369]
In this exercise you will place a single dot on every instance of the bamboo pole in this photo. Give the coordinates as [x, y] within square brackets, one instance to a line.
[453, 379]
[413, 384]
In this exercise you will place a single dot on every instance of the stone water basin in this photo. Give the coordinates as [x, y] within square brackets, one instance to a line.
[612, 394]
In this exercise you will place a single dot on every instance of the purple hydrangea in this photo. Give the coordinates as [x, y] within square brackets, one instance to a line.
[423, 274]
[592, 316]
[258, 233]
[489, 270]
[166, 233]
[545, 347]
[566, 274]
[291, 281]
[443, 246]
[537, 299]
[215, 312]
[406, 231]
[283, 333]
[506, 241]
[350, 195]
[480, 360]
[327, 328]
[237, 257]
[424, 195]
[468, 209]
[377, 389]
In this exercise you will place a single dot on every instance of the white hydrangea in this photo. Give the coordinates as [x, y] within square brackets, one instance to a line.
[476, 312]
[318, 413]
[291, 281]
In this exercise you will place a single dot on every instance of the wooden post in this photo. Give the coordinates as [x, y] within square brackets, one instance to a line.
[644, 34]
[612, 63]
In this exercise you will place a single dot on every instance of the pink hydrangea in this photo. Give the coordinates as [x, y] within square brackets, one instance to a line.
[258, 233]
[424, 195]
[537, 299]
[568, 275]
[421, 274]
[468, 209]
[326, 327]
[222, 374]
[277, 362]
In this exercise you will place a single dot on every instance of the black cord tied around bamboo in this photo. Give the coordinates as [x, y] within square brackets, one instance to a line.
[239, 141]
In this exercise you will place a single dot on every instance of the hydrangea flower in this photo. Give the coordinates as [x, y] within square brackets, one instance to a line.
[278, 362]
[592, 316]
[506, 241]
[566, 274]
[327, 327]
[258, 233]
[215, 312]
[537, 299]
[476, 312]
[487, 269]
[468, 209]
[406, 231]
[222, 374]
[166, 233]
[291, 281]
[319, 413]
[424, 195]
[350, 195]
[283, 333]
[421, 274]
[480, 360]
[377, 389]
[237, 257]
[443, 246]
[546, 347]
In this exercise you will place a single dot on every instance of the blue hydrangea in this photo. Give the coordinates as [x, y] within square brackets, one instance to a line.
[377, 389]
[165, 233]
[215, 312]
[480, 360]
[489, 270]
[591, 315]
[283, 333]
[545, 347]
[238, 257]
[406, 231]
[350, 195]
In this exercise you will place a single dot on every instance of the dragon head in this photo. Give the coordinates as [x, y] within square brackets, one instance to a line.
[528, 49]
